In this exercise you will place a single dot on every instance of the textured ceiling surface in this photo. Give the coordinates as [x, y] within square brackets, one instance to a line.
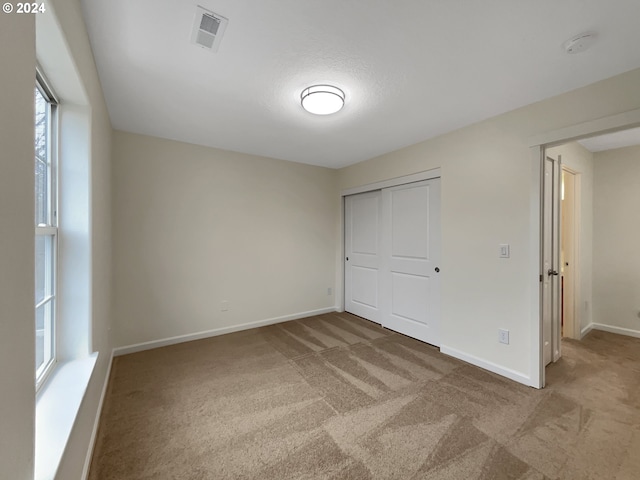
[410, 69]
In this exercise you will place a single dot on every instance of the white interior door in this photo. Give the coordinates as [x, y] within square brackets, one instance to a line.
[363, 229]
[411, 260]
[551, 261]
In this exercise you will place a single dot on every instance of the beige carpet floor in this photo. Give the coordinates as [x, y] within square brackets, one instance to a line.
[338, 397]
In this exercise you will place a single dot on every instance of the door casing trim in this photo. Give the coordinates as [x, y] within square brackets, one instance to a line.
[393, 182]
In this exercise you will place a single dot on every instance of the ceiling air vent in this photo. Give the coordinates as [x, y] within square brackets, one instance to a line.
[208, 28]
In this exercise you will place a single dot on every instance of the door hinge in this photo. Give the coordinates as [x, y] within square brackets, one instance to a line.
[541, 277]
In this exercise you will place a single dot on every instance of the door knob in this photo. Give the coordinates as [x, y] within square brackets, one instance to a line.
[347, 259]
[437, 269]
[551, 272]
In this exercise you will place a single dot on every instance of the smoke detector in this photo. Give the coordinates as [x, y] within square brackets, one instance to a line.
[579, 43]
[208, 28]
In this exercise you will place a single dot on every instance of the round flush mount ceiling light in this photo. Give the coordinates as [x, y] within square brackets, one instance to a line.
[322, 99]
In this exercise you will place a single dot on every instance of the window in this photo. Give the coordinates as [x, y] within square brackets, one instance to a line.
[46, 228]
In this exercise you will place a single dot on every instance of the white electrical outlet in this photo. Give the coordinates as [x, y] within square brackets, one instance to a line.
[329, 291]
[224, 306]
[505, 250]
[503, 336]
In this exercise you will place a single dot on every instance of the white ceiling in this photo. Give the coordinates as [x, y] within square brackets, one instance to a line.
[410, 69]
[609, 141]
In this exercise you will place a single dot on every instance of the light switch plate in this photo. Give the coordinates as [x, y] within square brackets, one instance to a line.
[503, 336]
[505, 250]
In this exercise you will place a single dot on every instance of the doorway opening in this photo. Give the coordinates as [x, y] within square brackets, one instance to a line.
[584, 229]
[569, 257]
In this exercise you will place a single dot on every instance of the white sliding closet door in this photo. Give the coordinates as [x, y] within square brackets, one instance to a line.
[392, 258]
[411, 246]
[363, 214]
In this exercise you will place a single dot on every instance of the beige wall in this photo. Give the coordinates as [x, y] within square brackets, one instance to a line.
[486, 181]
[17, 326]
[197, 226]
[616, 247]
[580, 160]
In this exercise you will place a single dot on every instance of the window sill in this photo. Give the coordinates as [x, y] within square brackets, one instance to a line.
[57, 406]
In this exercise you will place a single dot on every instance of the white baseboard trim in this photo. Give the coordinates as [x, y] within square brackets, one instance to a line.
[96, 422]
[611, 329]
[586, 330]
[139, 347]
[492, 367]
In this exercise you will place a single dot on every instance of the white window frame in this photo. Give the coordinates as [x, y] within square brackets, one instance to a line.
[50, 229]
